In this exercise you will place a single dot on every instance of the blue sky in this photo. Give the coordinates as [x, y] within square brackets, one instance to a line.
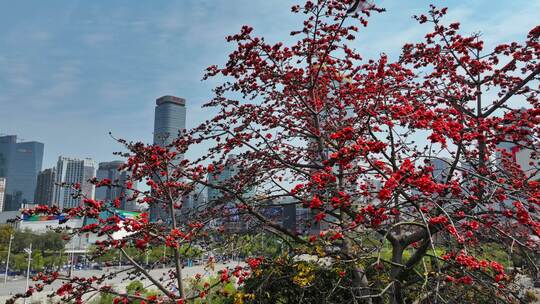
[73, 70]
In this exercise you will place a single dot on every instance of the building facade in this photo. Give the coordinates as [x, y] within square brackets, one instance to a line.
[196, 200]
[233, 219]
[20, 164]
[45, 187]
[73, 171]
[111, 171]
[229, 171]
[169, 120]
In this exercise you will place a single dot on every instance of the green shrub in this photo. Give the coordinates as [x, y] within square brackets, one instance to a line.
[135, 287]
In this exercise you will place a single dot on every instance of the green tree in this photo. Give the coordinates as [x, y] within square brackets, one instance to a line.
[47, 248]
[38, 262]
[49, 240]
[19, 262]
[5, 232]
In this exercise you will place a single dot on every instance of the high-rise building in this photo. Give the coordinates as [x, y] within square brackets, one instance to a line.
[232, 217]
[196, 199]
[111, 171]
[2, 192]
[229, 171]
[441, 168]
[169, 120]
[45, 187]
[20, 163]
[73, 171]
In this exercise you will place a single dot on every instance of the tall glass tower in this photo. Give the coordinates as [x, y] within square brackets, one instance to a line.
[20, 163]
[170, 119]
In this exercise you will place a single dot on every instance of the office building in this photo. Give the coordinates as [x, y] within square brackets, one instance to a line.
[111, 171]
[20, 163]
[45, 187]
[232, 219]
[196, 199]
[73, 171]
[441, 169]
[169, 121]
[229, 171]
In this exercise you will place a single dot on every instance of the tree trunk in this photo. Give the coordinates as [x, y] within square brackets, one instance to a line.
[359, 279]
[397, 258]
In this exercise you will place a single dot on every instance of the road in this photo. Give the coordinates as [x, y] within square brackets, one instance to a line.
[18, 286]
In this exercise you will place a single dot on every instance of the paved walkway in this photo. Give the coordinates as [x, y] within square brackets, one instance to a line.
[17, 285]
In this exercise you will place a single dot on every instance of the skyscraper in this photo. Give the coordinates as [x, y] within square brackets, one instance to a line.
[45, 187]
[110, 170]
[20, 163]
[71, 171]
[169, 120]
[229, 171]
[197, 198]
[232, 219]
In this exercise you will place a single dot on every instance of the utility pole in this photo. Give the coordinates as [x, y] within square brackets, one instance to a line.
[7, 262]
[164, 252]
[60, 264]
[119, 259]
[72, 260]
[29, 251]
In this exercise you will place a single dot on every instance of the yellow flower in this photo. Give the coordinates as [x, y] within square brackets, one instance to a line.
[240, 296]
[304, 276]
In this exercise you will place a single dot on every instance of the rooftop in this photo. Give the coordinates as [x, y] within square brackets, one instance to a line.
[170, 99]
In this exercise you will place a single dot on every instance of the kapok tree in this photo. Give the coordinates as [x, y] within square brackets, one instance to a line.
[412, 170]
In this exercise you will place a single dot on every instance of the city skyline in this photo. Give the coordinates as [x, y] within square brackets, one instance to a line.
[84, 69]
[255, 151]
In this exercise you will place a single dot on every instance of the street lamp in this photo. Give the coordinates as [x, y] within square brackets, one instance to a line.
[164, 253]
[7, 262]
[29, 252]
[119, 259]
[72, 259]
